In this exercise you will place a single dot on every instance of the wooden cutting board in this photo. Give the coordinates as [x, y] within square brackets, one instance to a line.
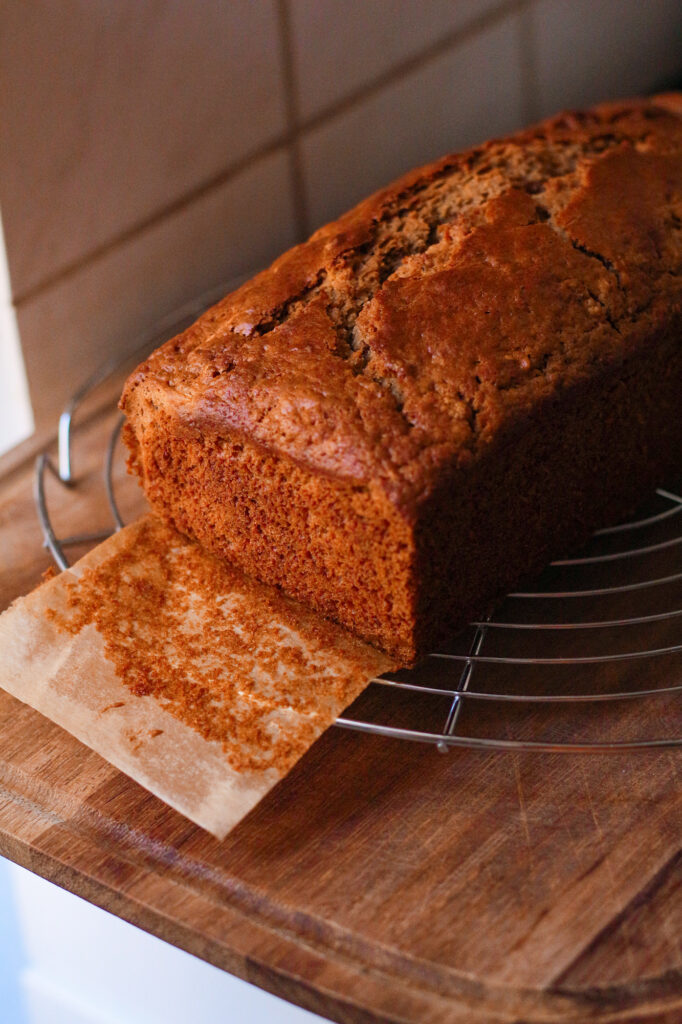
[382, 881]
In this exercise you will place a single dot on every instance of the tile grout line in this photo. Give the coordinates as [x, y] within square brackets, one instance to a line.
[289, 139]
[157, 217]
[291, 94]
[403, 69]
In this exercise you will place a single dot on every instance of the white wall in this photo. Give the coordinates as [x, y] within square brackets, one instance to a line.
[63, 961]
[16, 417]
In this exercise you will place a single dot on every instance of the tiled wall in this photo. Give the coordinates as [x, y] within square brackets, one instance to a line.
[154, 148]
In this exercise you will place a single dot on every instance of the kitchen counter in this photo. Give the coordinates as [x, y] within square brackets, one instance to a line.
[381, 880]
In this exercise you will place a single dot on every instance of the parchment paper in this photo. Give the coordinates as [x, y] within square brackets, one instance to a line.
[199, 683]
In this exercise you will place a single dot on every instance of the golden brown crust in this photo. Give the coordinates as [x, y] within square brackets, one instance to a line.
[569, 227]
[404, 342]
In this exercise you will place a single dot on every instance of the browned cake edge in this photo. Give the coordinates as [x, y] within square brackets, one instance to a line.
[585, 460]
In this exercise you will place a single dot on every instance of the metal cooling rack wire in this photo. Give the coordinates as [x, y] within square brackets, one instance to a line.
[463, 665]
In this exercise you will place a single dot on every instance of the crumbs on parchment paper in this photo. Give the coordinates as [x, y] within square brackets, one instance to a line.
[226, 655]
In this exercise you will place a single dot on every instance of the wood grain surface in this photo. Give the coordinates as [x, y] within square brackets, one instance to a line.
[383, 881]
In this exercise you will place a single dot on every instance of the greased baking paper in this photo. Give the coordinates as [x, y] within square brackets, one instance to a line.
[201, 684]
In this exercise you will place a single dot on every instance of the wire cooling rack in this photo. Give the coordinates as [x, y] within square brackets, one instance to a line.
[613, 607]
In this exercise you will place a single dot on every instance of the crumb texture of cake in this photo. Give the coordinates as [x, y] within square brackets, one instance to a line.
[456, 381]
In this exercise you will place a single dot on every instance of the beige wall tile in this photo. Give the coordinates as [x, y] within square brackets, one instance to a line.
[111, 110]
[463, 97]
[70, 329]
[340, 45]
[590, 50]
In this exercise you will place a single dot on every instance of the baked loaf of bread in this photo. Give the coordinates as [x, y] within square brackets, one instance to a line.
[456, 381]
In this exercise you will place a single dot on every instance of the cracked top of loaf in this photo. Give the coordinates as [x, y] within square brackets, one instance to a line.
[410, 333]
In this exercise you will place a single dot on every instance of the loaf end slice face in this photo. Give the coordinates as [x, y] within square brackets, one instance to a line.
[455, 382]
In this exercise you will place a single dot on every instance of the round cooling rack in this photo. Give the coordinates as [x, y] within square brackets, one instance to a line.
[603, 628]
